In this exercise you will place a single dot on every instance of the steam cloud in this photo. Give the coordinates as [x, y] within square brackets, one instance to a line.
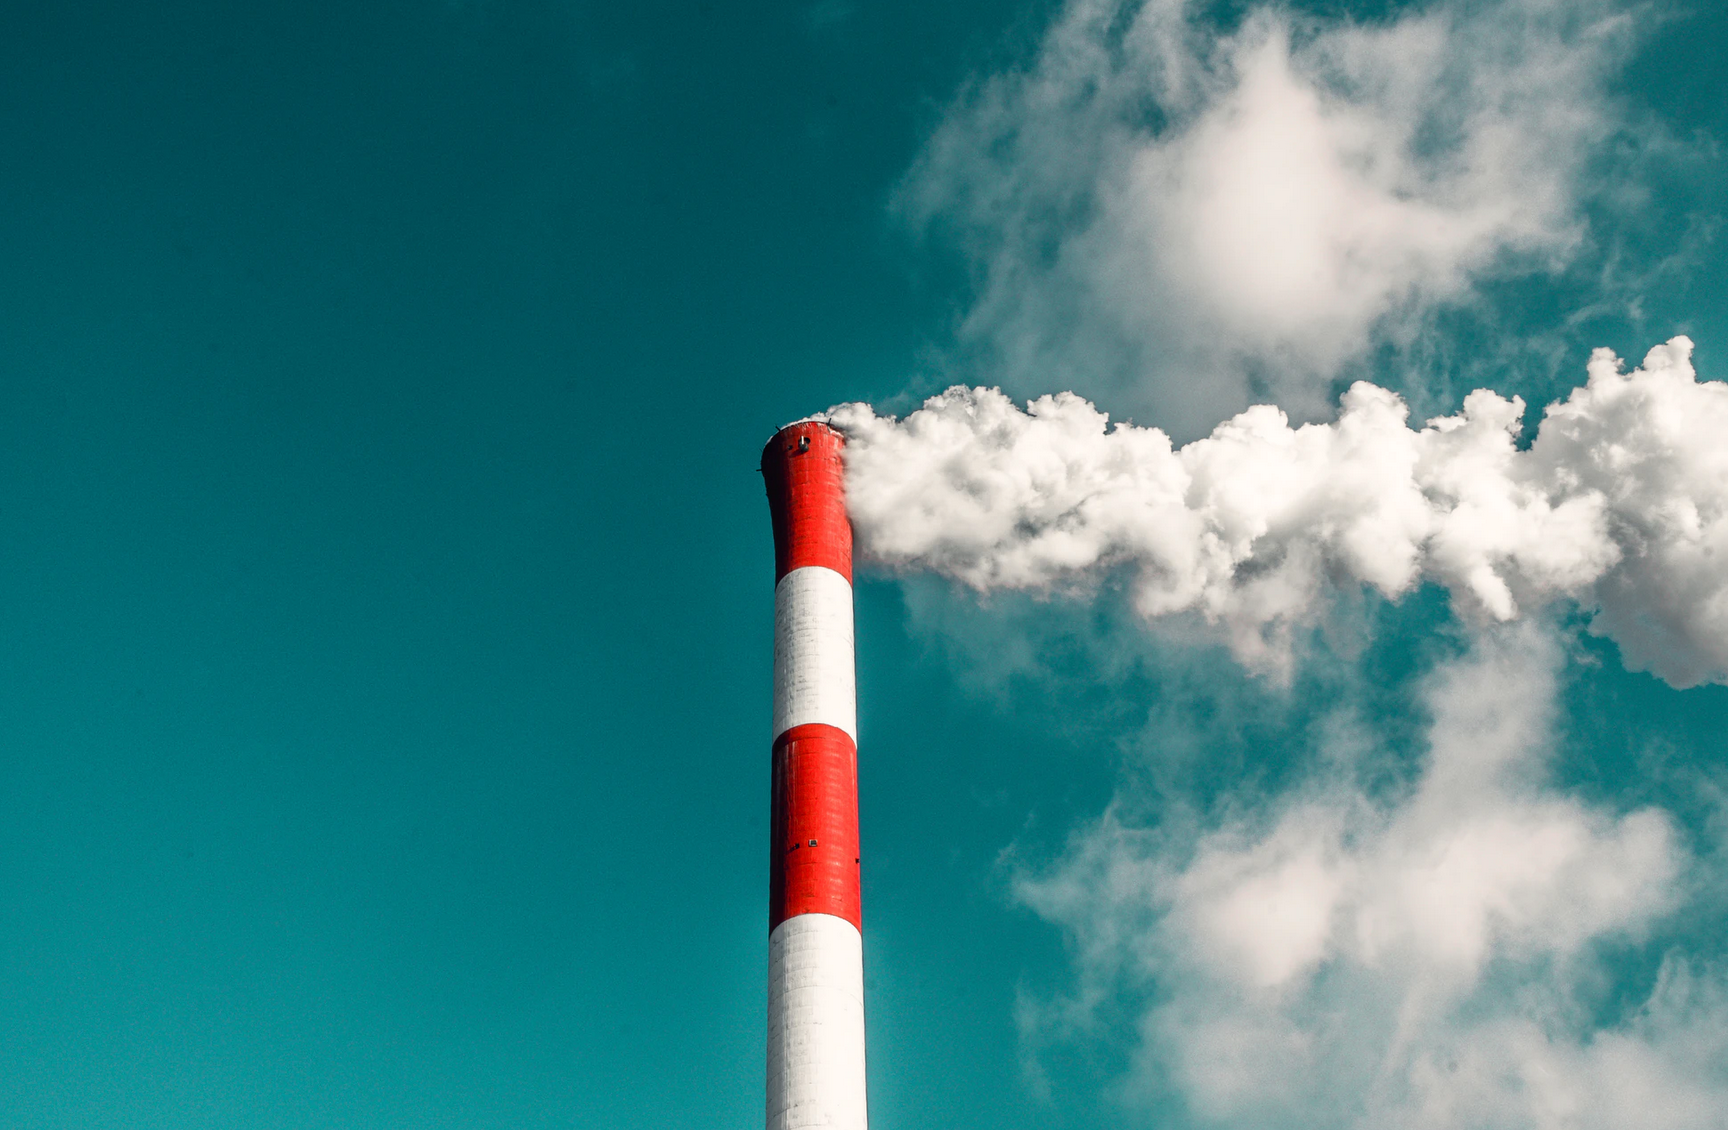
[1186, 217]
[1620, 503]
[1434, 959]
[1190, 215]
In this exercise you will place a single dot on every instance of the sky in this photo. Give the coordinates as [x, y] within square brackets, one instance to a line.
[387, 580]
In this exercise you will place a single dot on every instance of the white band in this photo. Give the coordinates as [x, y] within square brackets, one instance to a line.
[816, 1024]
[813, 673]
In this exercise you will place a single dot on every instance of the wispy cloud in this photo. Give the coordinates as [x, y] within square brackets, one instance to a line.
[1184, 219]
[1434, 958]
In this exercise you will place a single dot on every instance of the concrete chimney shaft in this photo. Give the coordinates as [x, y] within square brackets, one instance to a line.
[815, 948]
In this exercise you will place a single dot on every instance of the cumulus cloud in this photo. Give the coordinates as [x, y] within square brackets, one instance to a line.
[1428, 958]
[1620, 504]
[1187, 213]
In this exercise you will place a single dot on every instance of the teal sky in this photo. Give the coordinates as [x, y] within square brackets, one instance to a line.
[386, 580]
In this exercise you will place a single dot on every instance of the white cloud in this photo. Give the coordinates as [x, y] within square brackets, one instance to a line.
[1620, 503]
[1651, 446]
[1182, 220]
[1426, 960]
[1156, 207]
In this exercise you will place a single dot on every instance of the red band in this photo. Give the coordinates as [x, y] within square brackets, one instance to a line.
[813, 849]
[806, 483]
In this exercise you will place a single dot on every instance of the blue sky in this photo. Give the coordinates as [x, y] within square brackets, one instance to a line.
[388, 579]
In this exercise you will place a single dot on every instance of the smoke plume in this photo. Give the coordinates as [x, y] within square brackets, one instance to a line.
[1185, 217]
[1436, 958]
[1415, 917]
[1620, 503]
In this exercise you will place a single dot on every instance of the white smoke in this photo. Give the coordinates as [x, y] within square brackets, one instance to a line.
[1155, 207]
[1620, 504]
[1429, 960]
[1180, 219]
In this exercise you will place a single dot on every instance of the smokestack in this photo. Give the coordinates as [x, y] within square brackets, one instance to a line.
[815, 949]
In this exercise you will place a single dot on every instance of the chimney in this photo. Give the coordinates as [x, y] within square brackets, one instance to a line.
[815, 948]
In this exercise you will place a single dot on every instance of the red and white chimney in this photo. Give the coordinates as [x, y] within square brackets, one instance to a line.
[815, 948]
